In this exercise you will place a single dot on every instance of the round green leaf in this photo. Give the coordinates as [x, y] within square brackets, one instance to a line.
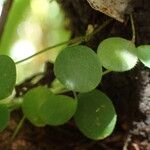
[57, 110]
[117, 54]
[4, 117]
[32, 103]
[7, 76]
[144, 54]
[78, 68]
[95, 115]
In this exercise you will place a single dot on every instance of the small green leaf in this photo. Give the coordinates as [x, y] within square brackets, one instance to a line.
[117, 54]
[32, 103]
[4, 117]
[57, 110]
[95, 115]
[78, 68]
[7, 76]
[144, 54]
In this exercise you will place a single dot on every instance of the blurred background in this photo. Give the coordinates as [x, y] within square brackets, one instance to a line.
[33, 25]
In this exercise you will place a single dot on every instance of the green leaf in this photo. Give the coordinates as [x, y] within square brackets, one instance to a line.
[117, 54]
[7, 76]
[4, 117]
[32, 103]
[144, 54]
[78, 68]
[95, 115]
[57, 110]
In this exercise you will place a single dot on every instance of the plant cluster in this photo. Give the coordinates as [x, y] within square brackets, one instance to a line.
[79, 69]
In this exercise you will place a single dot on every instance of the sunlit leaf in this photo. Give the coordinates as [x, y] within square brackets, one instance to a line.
[4, 117]
[7, 76]
[78, 68]
[32, 103]
[57, 110]
[144, 54]
[95, 116]
[117, 54]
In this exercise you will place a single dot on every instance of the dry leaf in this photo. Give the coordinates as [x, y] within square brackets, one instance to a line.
[113, 8]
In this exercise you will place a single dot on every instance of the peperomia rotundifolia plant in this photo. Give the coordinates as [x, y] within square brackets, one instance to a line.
[78, 69]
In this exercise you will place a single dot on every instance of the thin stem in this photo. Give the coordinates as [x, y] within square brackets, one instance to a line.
[18, 128]
[4, 15]
[15, 104]
[100, 28]
[12, 103]
[106, 72]
[5, 101]
[42, 51]
[73, 41]
[75, 95]
[133, 28]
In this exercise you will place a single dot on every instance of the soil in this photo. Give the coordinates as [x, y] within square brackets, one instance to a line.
[129, 91]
